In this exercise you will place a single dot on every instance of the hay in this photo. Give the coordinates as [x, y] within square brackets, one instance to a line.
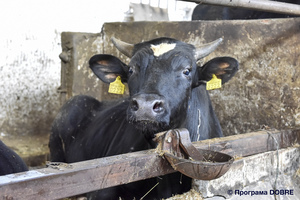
[190, 195]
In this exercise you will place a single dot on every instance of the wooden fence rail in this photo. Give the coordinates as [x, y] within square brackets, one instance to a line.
[65, 180]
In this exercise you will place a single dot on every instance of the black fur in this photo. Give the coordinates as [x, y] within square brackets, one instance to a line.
[10, 162]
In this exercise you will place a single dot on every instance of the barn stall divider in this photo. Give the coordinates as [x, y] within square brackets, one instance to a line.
[265, 92]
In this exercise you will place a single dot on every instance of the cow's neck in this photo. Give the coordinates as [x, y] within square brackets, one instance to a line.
[201, 120]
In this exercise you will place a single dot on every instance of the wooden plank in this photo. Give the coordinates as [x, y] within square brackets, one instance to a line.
[82, 177]
[252, 143]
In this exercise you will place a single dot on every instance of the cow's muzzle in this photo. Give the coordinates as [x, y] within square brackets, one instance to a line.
[148, 107]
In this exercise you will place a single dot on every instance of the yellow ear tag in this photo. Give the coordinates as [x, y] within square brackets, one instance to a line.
[116, 87]
[214, 83]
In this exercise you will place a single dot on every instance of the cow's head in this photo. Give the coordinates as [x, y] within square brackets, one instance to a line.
[160, 76]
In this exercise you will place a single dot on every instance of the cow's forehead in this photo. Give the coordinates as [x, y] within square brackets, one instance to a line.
[162, 48]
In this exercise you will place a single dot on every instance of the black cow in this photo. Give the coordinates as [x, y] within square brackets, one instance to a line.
[167, 91]
[10, 162]
[212, 12]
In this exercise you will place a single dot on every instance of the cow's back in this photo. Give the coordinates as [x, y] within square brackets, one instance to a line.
[214, 12]
[10, 162]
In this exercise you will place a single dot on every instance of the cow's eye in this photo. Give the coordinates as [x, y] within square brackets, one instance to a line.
[186, 72]
[130, 71]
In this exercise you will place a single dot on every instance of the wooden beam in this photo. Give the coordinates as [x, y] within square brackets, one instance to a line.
[77, 178]
[252, 143]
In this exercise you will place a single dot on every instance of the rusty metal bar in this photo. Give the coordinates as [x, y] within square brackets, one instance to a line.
[67, 180]
[262, 5]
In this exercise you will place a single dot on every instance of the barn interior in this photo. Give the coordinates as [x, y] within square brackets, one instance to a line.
[38, 78]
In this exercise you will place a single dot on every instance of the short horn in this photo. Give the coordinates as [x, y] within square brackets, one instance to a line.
[123, 47]
[205, 50]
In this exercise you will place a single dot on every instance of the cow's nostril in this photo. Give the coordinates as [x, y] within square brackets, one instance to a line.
[134, 105]
[158, 107]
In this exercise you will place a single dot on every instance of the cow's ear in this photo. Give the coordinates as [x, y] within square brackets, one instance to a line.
[223, 67]
[108, 68]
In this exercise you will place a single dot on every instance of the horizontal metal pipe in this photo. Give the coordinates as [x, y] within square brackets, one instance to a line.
[262, 5]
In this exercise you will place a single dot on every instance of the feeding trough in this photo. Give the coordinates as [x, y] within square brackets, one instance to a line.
[200, 164]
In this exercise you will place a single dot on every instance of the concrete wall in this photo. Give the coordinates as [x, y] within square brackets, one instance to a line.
[29, 77]
[265, 92]
[274, 170]
[30, 43]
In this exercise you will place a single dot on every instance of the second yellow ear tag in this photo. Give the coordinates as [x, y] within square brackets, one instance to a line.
[214, 83]
[116, 87]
